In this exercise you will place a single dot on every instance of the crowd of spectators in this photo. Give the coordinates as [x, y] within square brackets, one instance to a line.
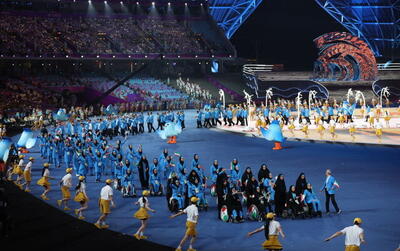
[66, 35]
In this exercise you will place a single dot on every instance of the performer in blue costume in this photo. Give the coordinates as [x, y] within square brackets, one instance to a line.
[274, 133]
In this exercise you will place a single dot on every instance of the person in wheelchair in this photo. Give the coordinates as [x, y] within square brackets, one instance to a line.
[294, 203]
[253, 203]
[234, 206]
[128, 188]
[156, 187]
[312, 201]
[196, 189]
[177, 200]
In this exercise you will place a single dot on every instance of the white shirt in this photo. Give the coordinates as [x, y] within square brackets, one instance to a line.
[82, 188]
[28, 167]
[21, 163]
[106, 192]
[142, 204]
[192, 211]
[67, 180]
[46, 173]
[352, 235]
[273, 227]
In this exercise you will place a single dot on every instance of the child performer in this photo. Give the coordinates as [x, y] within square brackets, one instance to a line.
[192, 218]
[354, 236]
[65, 184]
[291, 126]
[321, 129]
[106, 199]
[332, 129]
[81, 197]
[18, 171]
[387, 118]
[352, 131]
[272, 229]
[304, 129]
[142, 214]
[378, 131]
[44, 181]
[27, 174]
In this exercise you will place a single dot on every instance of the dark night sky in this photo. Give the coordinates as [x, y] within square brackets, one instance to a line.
[282, 32]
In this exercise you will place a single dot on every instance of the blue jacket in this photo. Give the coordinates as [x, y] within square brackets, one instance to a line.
[309, 196]
[329, 185]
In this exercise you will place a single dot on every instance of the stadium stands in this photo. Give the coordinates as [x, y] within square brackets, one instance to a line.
[36, 34]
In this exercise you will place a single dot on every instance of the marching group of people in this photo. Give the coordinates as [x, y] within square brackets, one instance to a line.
[83, 149]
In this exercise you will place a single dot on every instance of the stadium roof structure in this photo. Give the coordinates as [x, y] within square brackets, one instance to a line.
[231, 14]
[377, 22]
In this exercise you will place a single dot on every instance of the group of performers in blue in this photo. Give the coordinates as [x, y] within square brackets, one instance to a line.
[84, 146]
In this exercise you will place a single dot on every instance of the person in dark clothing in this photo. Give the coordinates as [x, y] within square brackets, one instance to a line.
[263, 173]
[222, 174]
[251, 191]
[143, 168]
[280, 195]
[294, 201]
[234, 205]
[223, 189]
[246, 177]
[301, 184]
[193, 176]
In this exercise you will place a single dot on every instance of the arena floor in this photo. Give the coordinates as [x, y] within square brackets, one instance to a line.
[368, 176]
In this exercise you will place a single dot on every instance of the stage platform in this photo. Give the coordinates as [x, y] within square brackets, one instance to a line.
[363, 135]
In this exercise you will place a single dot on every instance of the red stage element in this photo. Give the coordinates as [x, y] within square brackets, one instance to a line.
[344, 57]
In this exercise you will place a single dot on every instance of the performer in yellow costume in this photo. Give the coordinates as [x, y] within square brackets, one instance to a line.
[387, 118]
[81, 197]
[354, 236]
[105, 201]
[44, 181]
[352, 131]
[27, 174]
[378, 131]
[272, 229]
[321, 130]
[18, 170]
[291, 126]
[142, 214]
[304, 129]
[66, 184]
[332, 129]
[192, 213]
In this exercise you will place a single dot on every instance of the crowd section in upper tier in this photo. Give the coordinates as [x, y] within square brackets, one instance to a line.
[44, 36]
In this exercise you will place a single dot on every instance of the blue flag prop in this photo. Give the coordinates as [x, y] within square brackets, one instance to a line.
[26, 134]
[170, 129]
[274, 132]
[5, 145]
[26, 140]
